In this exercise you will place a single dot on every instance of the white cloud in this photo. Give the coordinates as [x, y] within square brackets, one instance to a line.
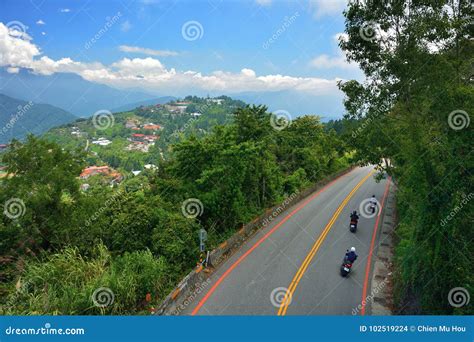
[126, 26]
[338, 61]
[43, 33]
[13, 70]
[150, 73]
[327, 7]
[146, 51]
[64, 10]
[341, 36]
[326, 62]
[40, 22]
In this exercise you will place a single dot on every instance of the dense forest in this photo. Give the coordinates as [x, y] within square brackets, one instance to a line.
[60, 244]
[410, 116]
[414, 111]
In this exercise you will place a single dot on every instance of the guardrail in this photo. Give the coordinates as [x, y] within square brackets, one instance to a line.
[191, 285]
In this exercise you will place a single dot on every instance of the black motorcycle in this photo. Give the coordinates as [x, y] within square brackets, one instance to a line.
[353, 226]
[346, 267]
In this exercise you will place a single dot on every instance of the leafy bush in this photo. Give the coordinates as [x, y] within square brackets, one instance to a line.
[66, 281]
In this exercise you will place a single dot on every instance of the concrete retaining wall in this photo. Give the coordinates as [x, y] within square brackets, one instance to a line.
[381, 283]
[197, 280]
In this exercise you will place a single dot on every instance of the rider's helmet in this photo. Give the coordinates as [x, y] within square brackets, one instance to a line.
[353, 249]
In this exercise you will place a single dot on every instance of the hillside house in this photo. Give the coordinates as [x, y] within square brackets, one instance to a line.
[94, 170]
[102, 142]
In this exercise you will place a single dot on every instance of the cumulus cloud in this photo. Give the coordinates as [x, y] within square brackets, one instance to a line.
[338, 61]
[40, 22]
[326, 62]
[146, 51]
[150, 73]
[327, 7]
[64, 10]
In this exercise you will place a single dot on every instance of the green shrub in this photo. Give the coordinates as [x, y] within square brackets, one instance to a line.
[65, 284]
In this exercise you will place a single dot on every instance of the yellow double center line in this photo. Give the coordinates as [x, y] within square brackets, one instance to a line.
[294, 283]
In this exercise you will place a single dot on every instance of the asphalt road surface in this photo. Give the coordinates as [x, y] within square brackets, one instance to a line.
[291, 267]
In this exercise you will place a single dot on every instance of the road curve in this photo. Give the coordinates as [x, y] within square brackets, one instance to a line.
[306, 250]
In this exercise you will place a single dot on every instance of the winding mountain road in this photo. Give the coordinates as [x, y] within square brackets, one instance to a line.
[291, 267]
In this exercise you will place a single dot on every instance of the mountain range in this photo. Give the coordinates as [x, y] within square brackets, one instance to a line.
[68, 91]
[83, 98]
[18, 118]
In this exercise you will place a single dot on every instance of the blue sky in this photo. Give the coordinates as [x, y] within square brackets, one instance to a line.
[142, 43]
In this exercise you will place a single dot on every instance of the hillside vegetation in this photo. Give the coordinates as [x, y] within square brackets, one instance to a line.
[61, 245]
[414, 111]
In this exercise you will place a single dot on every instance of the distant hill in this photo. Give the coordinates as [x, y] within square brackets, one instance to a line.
[18, 118]
[68, 91]
[131, 106]
[297, 103]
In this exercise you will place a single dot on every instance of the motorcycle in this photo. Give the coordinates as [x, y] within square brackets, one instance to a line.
[372, 207]
[353, 226]
[346, 267]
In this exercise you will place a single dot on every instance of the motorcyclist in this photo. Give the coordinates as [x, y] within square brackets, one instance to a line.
[373, 200]
[351, 255]
[354, 217]
[373, 203]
